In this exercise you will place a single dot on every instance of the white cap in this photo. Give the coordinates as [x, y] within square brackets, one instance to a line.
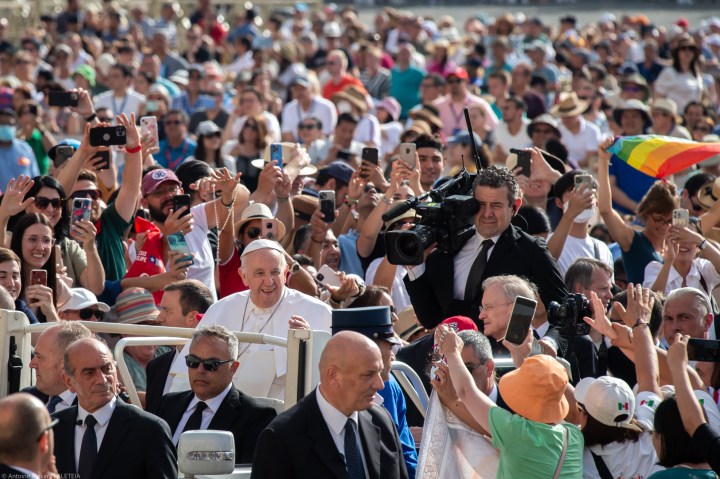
[81, 298]
[262, 244]
[608, 400]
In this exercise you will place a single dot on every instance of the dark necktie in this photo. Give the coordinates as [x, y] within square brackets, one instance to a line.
[474, 281]
[353, 459]
[536, 335]
[195, 419]
[88, 449]
[52, 403]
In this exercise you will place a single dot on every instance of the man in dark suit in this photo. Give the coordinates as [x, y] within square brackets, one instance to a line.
[337, 431]
[448, 285]
[48, 364]
[182, 306]
[213, 402]
[26, 438]
[102, 437]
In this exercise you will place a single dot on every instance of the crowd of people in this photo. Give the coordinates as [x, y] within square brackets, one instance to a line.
[157, 174]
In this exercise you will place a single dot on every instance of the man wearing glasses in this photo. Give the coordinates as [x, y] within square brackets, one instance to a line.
[213, 402]
[177, 145]
[26, 438]
[450, 108]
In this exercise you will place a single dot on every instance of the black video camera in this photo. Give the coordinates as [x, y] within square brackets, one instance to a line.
[569, 314]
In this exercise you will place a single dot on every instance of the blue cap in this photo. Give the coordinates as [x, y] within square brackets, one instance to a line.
[374, 322]
[301, 7]
[339, 170]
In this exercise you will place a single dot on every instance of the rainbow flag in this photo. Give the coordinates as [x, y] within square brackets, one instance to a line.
[661, 156]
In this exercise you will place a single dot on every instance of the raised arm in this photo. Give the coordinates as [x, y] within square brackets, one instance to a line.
[126, 202]
[578, 201]
[690, 410]
[622, 233]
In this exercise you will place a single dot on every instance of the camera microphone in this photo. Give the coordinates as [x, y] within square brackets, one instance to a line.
[399, 209]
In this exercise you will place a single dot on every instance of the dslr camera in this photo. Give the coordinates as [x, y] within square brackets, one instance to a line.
[569, 314]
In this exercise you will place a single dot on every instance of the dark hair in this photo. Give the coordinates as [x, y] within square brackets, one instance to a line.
[582, 270]
[23, 224]
[519, 102]
[428, 141]
[261, 125]
[314, 119]
[498, 177]
[254, 91]
[201, 154]
[656, 315]
[303, 260]
[597, 433]
[62, 228]
[536, 220]
[192, 170]
[694, 63]
[87, 175]
[177, 111]
[9, 113]
[347, 118]
[696, 181]
[437, 79]
[301, 235]
[125, 70]
[194, 295]
[676, 446]
[370, 297]
[567, 183]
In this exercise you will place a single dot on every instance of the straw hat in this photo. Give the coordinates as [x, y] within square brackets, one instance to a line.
[407, 324]
[709, 193]
[428, 114]
[666, 105]
[536, 389]
[259, 211]
[569, 105]
[683, 41]
[632, 105]
[353, 95]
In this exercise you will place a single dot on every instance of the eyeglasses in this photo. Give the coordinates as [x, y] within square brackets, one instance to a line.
[369, 188]
[472, 367]
[215, 93]
[662, 219]
[393, 310]
[253, 232]
[92, 194]
[454, 80]
[210, 365]
[87, 313]
[46, 241]
[42, 203]
[490, 307]
[173, 122]
[308, 126]
[159, 193]
[685, 49]
[704, 129]
[105, 119]
[52, 424]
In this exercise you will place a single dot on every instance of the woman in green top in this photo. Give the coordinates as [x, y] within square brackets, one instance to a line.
[34, 133]
[535, 442]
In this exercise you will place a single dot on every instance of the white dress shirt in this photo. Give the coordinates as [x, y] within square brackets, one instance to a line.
[336, 421]
[213, 404]
[66, 400]
[102, 416]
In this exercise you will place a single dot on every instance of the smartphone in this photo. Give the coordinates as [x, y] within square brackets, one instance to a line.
[407, 153]
[107, 136]
[276, 154]
[81, 209]
[705, 350]
[344, 155]
[62, 154]
[63, 98]
[38, 276]
[583, 180]
[149, 128]
[102, 159]
[327, 205]
[519, 324]
[326, 276]
[269, 229]
[680, 218]
[179, 201]
[370, 155]
[177, 243]
[523, 161]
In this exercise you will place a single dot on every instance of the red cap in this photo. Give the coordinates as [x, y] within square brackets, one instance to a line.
[463, 323]
[459, 72]
[155, 178]
[682, 22]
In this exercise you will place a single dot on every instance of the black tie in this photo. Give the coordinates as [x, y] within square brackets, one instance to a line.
[474, 281]
[536, 335]
[353, 459]
[52, 403]
[195, 419]
[88, 449]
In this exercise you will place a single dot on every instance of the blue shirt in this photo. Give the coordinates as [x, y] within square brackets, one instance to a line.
[15, 160]
[405, 87]
[394, 403]
[631, 181]
[171, 158]
[349, 260]
[203, 102]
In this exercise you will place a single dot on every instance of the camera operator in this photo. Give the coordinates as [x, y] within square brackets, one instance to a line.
[496, 248]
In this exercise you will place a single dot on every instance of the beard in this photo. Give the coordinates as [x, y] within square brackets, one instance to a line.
[156, 214]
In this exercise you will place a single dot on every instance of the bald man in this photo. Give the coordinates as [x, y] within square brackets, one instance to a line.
[336, 431]
[102, 436]
[26, 438]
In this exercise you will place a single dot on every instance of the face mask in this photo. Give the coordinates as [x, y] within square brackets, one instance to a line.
[151, 106]
[7, 133]
[583, 217]
[343, 107]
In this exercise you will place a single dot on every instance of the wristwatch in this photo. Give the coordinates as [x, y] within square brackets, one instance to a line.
[703, 245]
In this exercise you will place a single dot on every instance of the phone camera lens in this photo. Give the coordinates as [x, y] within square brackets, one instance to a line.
[320, 277]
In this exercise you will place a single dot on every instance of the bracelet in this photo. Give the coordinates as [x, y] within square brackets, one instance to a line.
[133, 150]
[232, 202]
[351, 201]
[639, 322]
[702, 245]
[91, 117]
[282, 199]
[348, 203]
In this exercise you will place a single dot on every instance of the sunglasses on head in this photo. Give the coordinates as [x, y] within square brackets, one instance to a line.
[87, 313]
[253, 232]
[41, 202]
[193, 362]
[92, 194]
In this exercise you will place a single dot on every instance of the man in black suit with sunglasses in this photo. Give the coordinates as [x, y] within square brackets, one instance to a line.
[213, 402]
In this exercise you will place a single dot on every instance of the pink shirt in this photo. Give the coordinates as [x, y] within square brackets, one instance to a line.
[452, 116]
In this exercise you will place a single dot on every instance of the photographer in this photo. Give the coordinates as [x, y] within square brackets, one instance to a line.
[496, 248]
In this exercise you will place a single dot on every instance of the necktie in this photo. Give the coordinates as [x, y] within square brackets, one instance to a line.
[195, 419]
[474, 281]
[88, 449]
[353, 459]
[536, 335]
[52, 403]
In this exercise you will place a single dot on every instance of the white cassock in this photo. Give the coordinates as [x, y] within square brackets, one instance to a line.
[262, 366]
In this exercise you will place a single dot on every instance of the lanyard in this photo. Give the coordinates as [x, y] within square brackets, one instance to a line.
[172, 164]
[457, 116]
[117, 111]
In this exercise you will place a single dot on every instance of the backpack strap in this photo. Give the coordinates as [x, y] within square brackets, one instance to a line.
[601, 467]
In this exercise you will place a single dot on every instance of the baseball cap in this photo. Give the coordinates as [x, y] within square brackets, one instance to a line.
[463, 323]
[207, 127]
[608, 400]
[153, 179]
[81, 298]
[459, 72]
[339, 170]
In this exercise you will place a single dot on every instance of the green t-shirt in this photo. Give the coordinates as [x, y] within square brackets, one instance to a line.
[531, 449]
[684, 473]
[110, 243]
[35, 142]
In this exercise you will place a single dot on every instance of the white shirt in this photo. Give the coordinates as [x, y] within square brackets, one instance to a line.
[506, 140]
[208, 413]
[130, 103]
[398, 293]
[67, 398]
[242, 63]
[324, 110]
[102, 416]
[682, 88]
[578, 145]
[575, 248]
[699, 266]
[336, 422]
[368, 130]
[271, 122]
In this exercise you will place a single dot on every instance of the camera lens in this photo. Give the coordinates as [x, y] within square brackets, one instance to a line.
[320, 277]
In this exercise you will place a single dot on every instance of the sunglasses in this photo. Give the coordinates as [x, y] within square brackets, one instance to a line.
[632, 88]
[251, 126]
[87, 313]
[93, 194]
[307, 127]
[253, 233]
[211, 365]
[105, 119]
[52, 424]
[543, 131]
[369, 188]
[173, 122]
[216, 134]
[454, 80]
[42, 203]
